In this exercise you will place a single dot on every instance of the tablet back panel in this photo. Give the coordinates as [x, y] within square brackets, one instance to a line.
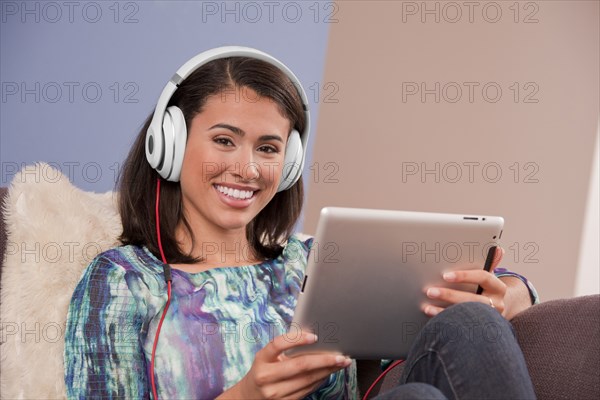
[367, 272]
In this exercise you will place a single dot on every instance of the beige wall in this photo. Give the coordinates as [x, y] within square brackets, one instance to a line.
[377, 130]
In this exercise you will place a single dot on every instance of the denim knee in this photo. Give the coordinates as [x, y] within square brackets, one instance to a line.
[471, 311]
[472, 322]
[469, 351]
[412, 391]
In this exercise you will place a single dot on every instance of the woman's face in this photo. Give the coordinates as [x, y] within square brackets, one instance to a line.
[233, 160]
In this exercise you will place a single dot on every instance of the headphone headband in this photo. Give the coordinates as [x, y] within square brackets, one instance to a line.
[155, 149]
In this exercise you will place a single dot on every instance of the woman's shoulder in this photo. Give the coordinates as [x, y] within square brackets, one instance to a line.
[303, 238]
[298, 244]
[294, 256]
[128, 259]
[124, 270]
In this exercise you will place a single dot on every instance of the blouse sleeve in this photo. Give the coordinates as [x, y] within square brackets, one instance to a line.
[103, 355]
[533, 295]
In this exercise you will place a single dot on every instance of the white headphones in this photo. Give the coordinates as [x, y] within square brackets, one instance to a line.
[167, 135]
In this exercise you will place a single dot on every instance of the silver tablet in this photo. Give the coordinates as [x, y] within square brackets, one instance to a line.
[364, 287]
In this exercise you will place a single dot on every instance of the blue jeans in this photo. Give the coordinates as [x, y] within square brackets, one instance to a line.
[469, 351]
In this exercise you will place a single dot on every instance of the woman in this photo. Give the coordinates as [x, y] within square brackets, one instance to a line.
[226, 215]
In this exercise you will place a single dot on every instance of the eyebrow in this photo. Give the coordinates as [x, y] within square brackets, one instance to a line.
[241, 133]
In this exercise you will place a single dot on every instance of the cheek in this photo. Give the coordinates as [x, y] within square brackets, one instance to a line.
[200, 164]
[271, 171]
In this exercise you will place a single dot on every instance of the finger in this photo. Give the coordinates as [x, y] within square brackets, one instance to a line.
[432, 310]
[304, 369]
[453, 296]
[320, 379]
[311, 363]
[485, 279]
[497, 258]
[281, 343]
[495, 302]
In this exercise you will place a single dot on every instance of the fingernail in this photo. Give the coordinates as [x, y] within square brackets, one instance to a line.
[344, 361]
[449, 276]
[431, 311]
[311, 338]
[433, 292]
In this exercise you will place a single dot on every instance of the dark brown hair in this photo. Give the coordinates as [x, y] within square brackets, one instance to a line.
[137, 181]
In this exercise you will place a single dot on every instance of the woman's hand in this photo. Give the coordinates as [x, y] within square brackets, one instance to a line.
[494, 289]
[276, 376]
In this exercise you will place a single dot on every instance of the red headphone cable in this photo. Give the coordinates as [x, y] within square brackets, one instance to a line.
[167, 272]
[380, 377]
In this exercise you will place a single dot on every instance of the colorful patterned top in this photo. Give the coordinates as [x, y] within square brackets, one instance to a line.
[217, 321]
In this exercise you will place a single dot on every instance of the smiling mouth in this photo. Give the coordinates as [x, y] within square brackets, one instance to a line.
[236, 193]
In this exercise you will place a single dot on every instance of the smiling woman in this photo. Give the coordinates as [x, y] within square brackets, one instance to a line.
[226, 211]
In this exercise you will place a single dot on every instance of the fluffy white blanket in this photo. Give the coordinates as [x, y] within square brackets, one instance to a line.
[54, 230]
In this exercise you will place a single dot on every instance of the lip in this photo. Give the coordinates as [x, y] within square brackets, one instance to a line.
[239, 187]
[235, 203]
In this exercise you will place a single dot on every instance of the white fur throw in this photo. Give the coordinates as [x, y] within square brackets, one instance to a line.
[54, 230]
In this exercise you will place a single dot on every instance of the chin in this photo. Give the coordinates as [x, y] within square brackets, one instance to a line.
[235, 223]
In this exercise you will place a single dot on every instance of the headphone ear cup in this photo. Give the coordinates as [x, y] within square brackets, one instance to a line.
[168, 130]
[180, 140]
[171, 127]
[154, 147]
[292, 163]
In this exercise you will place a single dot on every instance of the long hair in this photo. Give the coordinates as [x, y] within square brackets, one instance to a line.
[137, 181]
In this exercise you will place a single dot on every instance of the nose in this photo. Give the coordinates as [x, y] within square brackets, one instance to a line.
[250, 171]
[246, 168]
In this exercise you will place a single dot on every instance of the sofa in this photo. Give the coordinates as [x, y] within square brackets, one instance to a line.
[560, 338]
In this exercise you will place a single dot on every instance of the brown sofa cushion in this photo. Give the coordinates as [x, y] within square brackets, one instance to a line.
[561, 343]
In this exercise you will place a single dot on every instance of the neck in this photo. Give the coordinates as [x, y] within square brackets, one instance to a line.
[217, 247]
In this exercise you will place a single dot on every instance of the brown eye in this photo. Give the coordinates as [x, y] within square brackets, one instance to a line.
[269, 149]
[223, 141]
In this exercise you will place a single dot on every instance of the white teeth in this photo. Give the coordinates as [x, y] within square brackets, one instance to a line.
[235, 193]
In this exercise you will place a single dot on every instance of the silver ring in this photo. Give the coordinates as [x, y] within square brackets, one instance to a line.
[491, 302]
